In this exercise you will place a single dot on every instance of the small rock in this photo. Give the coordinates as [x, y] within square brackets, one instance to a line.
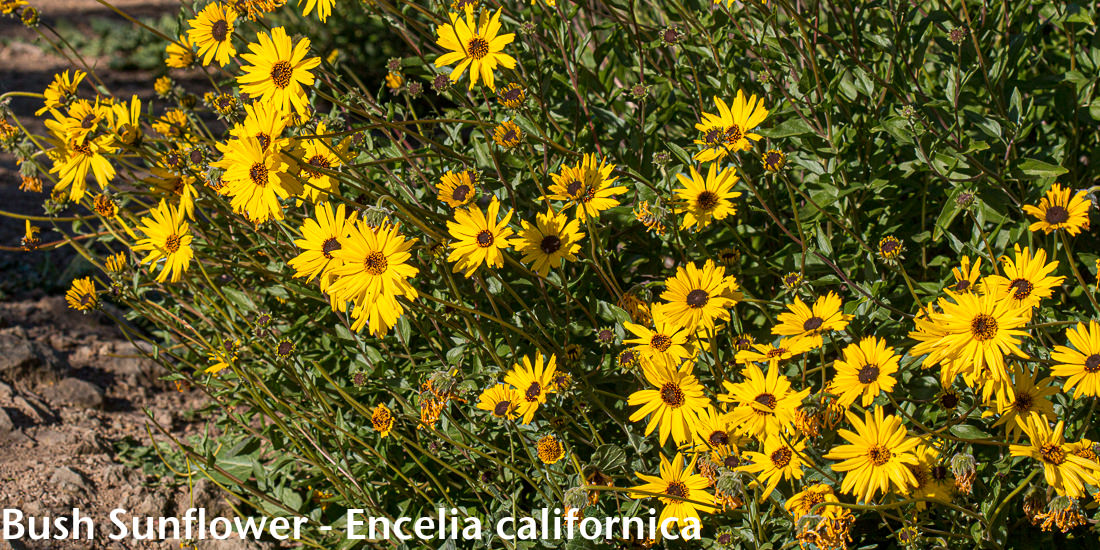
[67, 479]
[26, 360]
[6, 425]
[74, 392]
[6, 392]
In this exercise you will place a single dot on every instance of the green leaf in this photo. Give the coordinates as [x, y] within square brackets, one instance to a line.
[966, 431]
[1040, 169]
[609, 457]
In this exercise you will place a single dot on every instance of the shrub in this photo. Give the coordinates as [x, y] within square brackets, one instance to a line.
[812, 274]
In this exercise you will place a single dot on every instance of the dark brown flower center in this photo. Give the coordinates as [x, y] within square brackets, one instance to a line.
[285, 348]
[550, 244]
[772, 159]
[477, 47]
[889, 247]
[1023, 403]
[697, 298]
[460, 193]
[719, 437]
[768, 400]
[317, 161]
[258, 174]
[734, 134]
[813, 323]
[879, 455]
[1092, 363]
[677, 489]
[672, 395]
[660, 342]
[573, 188]
[949, 400]
[712, 136]
[265, 140]
[172, 243]
[485, 238]
[329, 246]
[1021, 288]
[983, 327]
[533, 392]
[962, 285]
[281, 73]
[938, 472]
[88, 121]
[220, 30]
[775, 352]
[501, 409]
[706, 201]
[781, 457]
[513, 94]
[868, 374]
[1057, 214]
[731, 461]
[1052, 453]
[376, 263]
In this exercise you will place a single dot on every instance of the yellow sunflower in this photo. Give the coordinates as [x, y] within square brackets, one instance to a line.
[1060, 209]
[320, 156]
[587, 184]
[212, 31]
[279, 71]
[533, 381]
[73, 161]
[264, 121]
[1081, 363]
[1065, 472]
[60, 91]
[373, 271]
[966, 275]
[181, 54]
[507, 134]
[1030, 397]
[972, 335]
[866, 370]
[805, 322]
[933, 477]
[82, 295]
[321, 237]
[681, 490]
[481, 238]
[457, 189]
[803, 502]
[772, 354]
[501, 400]
[701, 200]
[877, 457]
[663, 344]
[731, 129]
[550, 240]
[674, 406]
[779, 461]
[763, 404]
[257, 179]
[167, 237]
[477, 47]
[697, 297]
[324, 8]
[1027, 279]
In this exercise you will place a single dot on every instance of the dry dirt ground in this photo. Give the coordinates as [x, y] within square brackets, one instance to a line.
[73, 390]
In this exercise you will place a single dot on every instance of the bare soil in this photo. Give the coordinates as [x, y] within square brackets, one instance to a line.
[73, 390]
